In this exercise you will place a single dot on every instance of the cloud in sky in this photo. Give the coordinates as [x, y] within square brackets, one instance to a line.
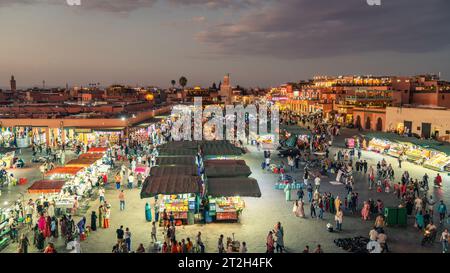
[320, 28]
[124, 6]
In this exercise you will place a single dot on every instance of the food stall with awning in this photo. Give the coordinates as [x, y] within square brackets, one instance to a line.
[82, 162]
[64, 172]
[7, 157]
[224, 197]
[175, 194]
[210, 149]
[97, 150]
[221, 162]
[46, 186]
[179, 160]
[227, 170]
[173, 170]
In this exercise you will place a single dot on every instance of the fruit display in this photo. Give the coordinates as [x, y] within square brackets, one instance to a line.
[438, 162]
[378, 145]
[417, 154]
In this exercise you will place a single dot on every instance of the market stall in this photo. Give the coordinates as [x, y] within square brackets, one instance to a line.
[177, 194]
[417, 154]
[378, 145]
[439, 162]
[46, 186]
[173, 170]
[179, 160]
[221, 162]
[224, 196]
[7, 157]
[227, 171]
[64, 172]
[82, 162]
[97, 150]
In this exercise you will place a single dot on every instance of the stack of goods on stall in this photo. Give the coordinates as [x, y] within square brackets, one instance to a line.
[438, 162]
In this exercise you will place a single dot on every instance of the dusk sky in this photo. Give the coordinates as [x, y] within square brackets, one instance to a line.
[260, 42]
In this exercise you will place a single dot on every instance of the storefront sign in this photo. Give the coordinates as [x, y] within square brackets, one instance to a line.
[83, 131]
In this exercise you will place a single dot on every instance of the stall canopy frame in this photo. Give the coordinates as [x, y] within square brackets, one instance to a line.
[190, 170]
[168, 185]
[46, 186]
[229, 187]
[179, 160]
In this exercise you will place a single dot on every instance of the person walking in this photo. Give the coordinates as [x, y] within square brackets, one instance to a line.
[339, 218]
[154, 239]
[442, 210]
[317, 183]
[93, 221]
[279, 234]
[122, 200]
[312, 209]
[23, 244]
[120, 234]
[106, 217]
[101, 194]
[309, 190]
[444, 240]
[130, 180]
[127, 237]
[118, 180]
[148, 212]
[270, 243]
[220, 245]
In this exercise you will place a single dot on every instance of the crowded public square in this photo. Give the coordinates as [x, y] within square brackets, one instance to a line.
[310, 197]
[204, 127]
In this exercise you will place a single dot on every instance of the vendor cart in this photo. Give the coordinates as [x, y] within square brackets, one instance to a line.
[233, 245]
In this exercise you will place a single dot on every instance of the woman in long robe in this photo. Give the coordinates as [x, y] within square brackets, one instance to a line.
[40, 241]
[48, 224]
[106, 218]
[148, 212]
[93, 221]
[365, 211]
[295, 208]
[332, 208]
[287, 191]
[41, 223]
[100, 216]
[63, 223]
[301, 209]
[82, 225]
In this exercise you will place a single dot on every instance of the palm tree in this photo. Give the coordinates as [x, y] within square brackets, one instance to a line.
[182, 81]
[173, 82]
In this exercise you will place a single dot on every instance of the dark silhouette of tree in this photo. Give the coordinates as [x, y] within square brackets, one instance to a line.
[173, 82]
[214, 86]
[183, 81]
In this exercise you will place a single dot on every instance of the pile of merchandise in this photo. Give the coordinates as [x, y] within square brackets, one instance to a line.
[353, 245]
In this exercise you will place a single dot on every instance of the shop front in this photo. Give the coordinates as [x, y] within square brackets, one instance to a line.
[225, 201]
[7, 157]
[175, 195]
[95, 137]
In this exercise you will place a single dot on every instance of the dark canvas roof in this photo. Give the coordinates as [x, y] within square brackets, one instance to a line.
[179, 160]
[227, 171]
[172, 184]
[173, 170]
[175, 151]
[217, 147]
[221, 162]
[208, 150]
[237, 186]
